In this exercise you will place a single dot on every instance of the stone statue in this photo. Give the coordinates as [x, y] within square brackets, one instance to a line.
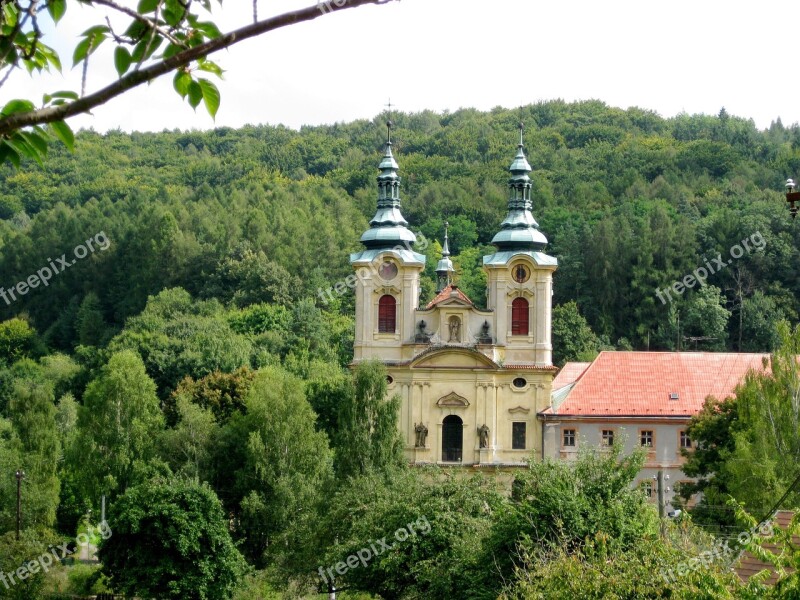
[455, 329]
[484, 337]
[483, 434]
[422, 434]
[422, 336]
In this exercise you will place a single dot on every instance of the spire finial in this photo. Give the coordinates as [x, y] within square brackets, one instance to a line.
[521, 130]
[389, 123]
[444, 269]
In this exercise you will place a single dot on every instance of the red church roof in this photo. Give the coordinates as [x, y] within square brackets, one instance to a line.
[652, 383]
[446, 293]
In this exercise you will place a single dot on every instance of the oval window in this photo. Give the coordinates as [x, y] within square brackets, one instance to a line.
[520, 382]
[389, 379]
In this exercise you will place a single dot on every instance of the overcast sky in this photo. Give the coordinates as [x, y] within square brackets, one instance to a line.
[692, 56]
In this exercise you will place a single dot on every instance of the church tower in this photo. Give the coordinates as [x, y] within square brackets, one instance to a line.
[520, 275]
[387, 272]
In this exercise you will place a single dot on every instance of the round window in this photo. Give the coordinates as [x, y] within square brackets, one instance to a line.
[388, 270]
[389, 379]
[521, 274]
[520, 382]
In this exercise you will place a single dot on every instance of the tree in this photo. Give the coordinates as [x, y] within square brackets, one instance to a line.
[573, 339]
[17, 340]
[565, 504]
[280, 463]
[118, 426]
[171, 539]
[368, 437]
[90, 324]
[707, 317]
[33, 414]
[433, 523]
[186, 40]
[766, 437]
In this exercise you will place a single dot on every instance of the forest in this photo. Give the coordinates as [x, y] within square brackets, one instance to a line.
[175, 357]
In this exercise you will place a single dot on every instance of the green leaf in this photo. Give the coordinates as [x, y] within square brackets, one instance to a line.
[210, 96]
[23, 148]
[210, 67]
[63, 132]
[66, 94]
[147, 6]
[95, 30]
[17, 106]
[37, 145]
[195, 94]
[173, 12]
[81, 50]
[171, 50]
[209, 29]
[181, 83]
[122, 60]
[10, 14]
[57, 8]
[145, 48]
[7, 153]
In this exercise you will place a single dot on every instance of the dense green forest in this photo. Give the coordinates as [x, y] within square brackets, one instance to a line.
[186, 367]
[631, 202]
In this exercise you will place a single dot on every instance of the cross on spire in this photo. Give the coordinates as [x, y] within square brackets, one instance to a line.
[389, 123]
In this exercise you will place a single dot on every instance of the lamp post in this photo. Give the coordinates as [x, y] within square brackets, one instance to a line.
[20, 476]
[792, 197]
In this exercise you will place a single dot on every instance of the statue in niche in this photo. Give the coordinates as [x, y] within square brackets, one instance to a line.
[422, 435]
[483, 436]
[455, 329]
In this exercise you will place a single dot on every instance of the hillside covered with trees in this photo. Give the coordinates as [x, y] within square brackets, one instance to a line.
[188, 366]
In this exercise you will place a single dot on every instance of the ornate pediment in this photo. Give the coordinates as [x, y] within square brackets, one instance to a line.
[387, 289]
[519, 410]
[453, 358]
[452, 400]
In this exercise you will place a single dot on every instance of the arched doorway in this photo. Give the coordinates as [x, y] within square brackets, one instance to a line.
[452, 439]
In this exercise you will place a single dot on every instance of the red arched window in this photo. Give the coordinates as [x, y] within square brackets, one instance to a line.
[519, 317]
[387, 314]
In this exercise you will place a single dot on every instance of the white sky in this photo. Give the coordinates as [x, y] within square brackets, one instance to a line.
[691, 56]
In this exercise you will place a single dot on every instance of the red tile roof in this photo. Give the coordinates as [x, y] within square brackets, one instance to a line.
[749, 565]
[569, 373]
[640, 383]
[446, 293]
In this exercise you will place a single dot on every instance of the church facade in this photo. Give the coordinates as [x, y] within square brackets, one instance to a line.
[471, 381]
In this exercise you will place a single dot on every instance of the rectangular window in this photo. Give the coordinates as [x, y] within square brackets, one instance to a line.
[518, 436]
[646, 438]
[608, 437]
[685, 441]
[569, 438]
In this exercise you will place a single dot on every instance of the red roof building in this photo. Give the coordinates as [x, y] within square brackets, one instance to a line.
[639, 399]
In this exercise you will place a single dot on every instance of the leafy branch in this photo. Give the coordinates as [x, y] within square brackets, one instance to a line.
[189, 41]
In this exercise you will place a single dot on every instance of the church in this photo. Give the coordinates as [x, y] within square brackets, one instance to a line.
[471, 381]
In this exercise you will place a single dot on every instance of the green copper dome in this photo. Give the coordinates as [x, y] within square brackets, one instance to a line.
[388, 227]
[519, 230]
